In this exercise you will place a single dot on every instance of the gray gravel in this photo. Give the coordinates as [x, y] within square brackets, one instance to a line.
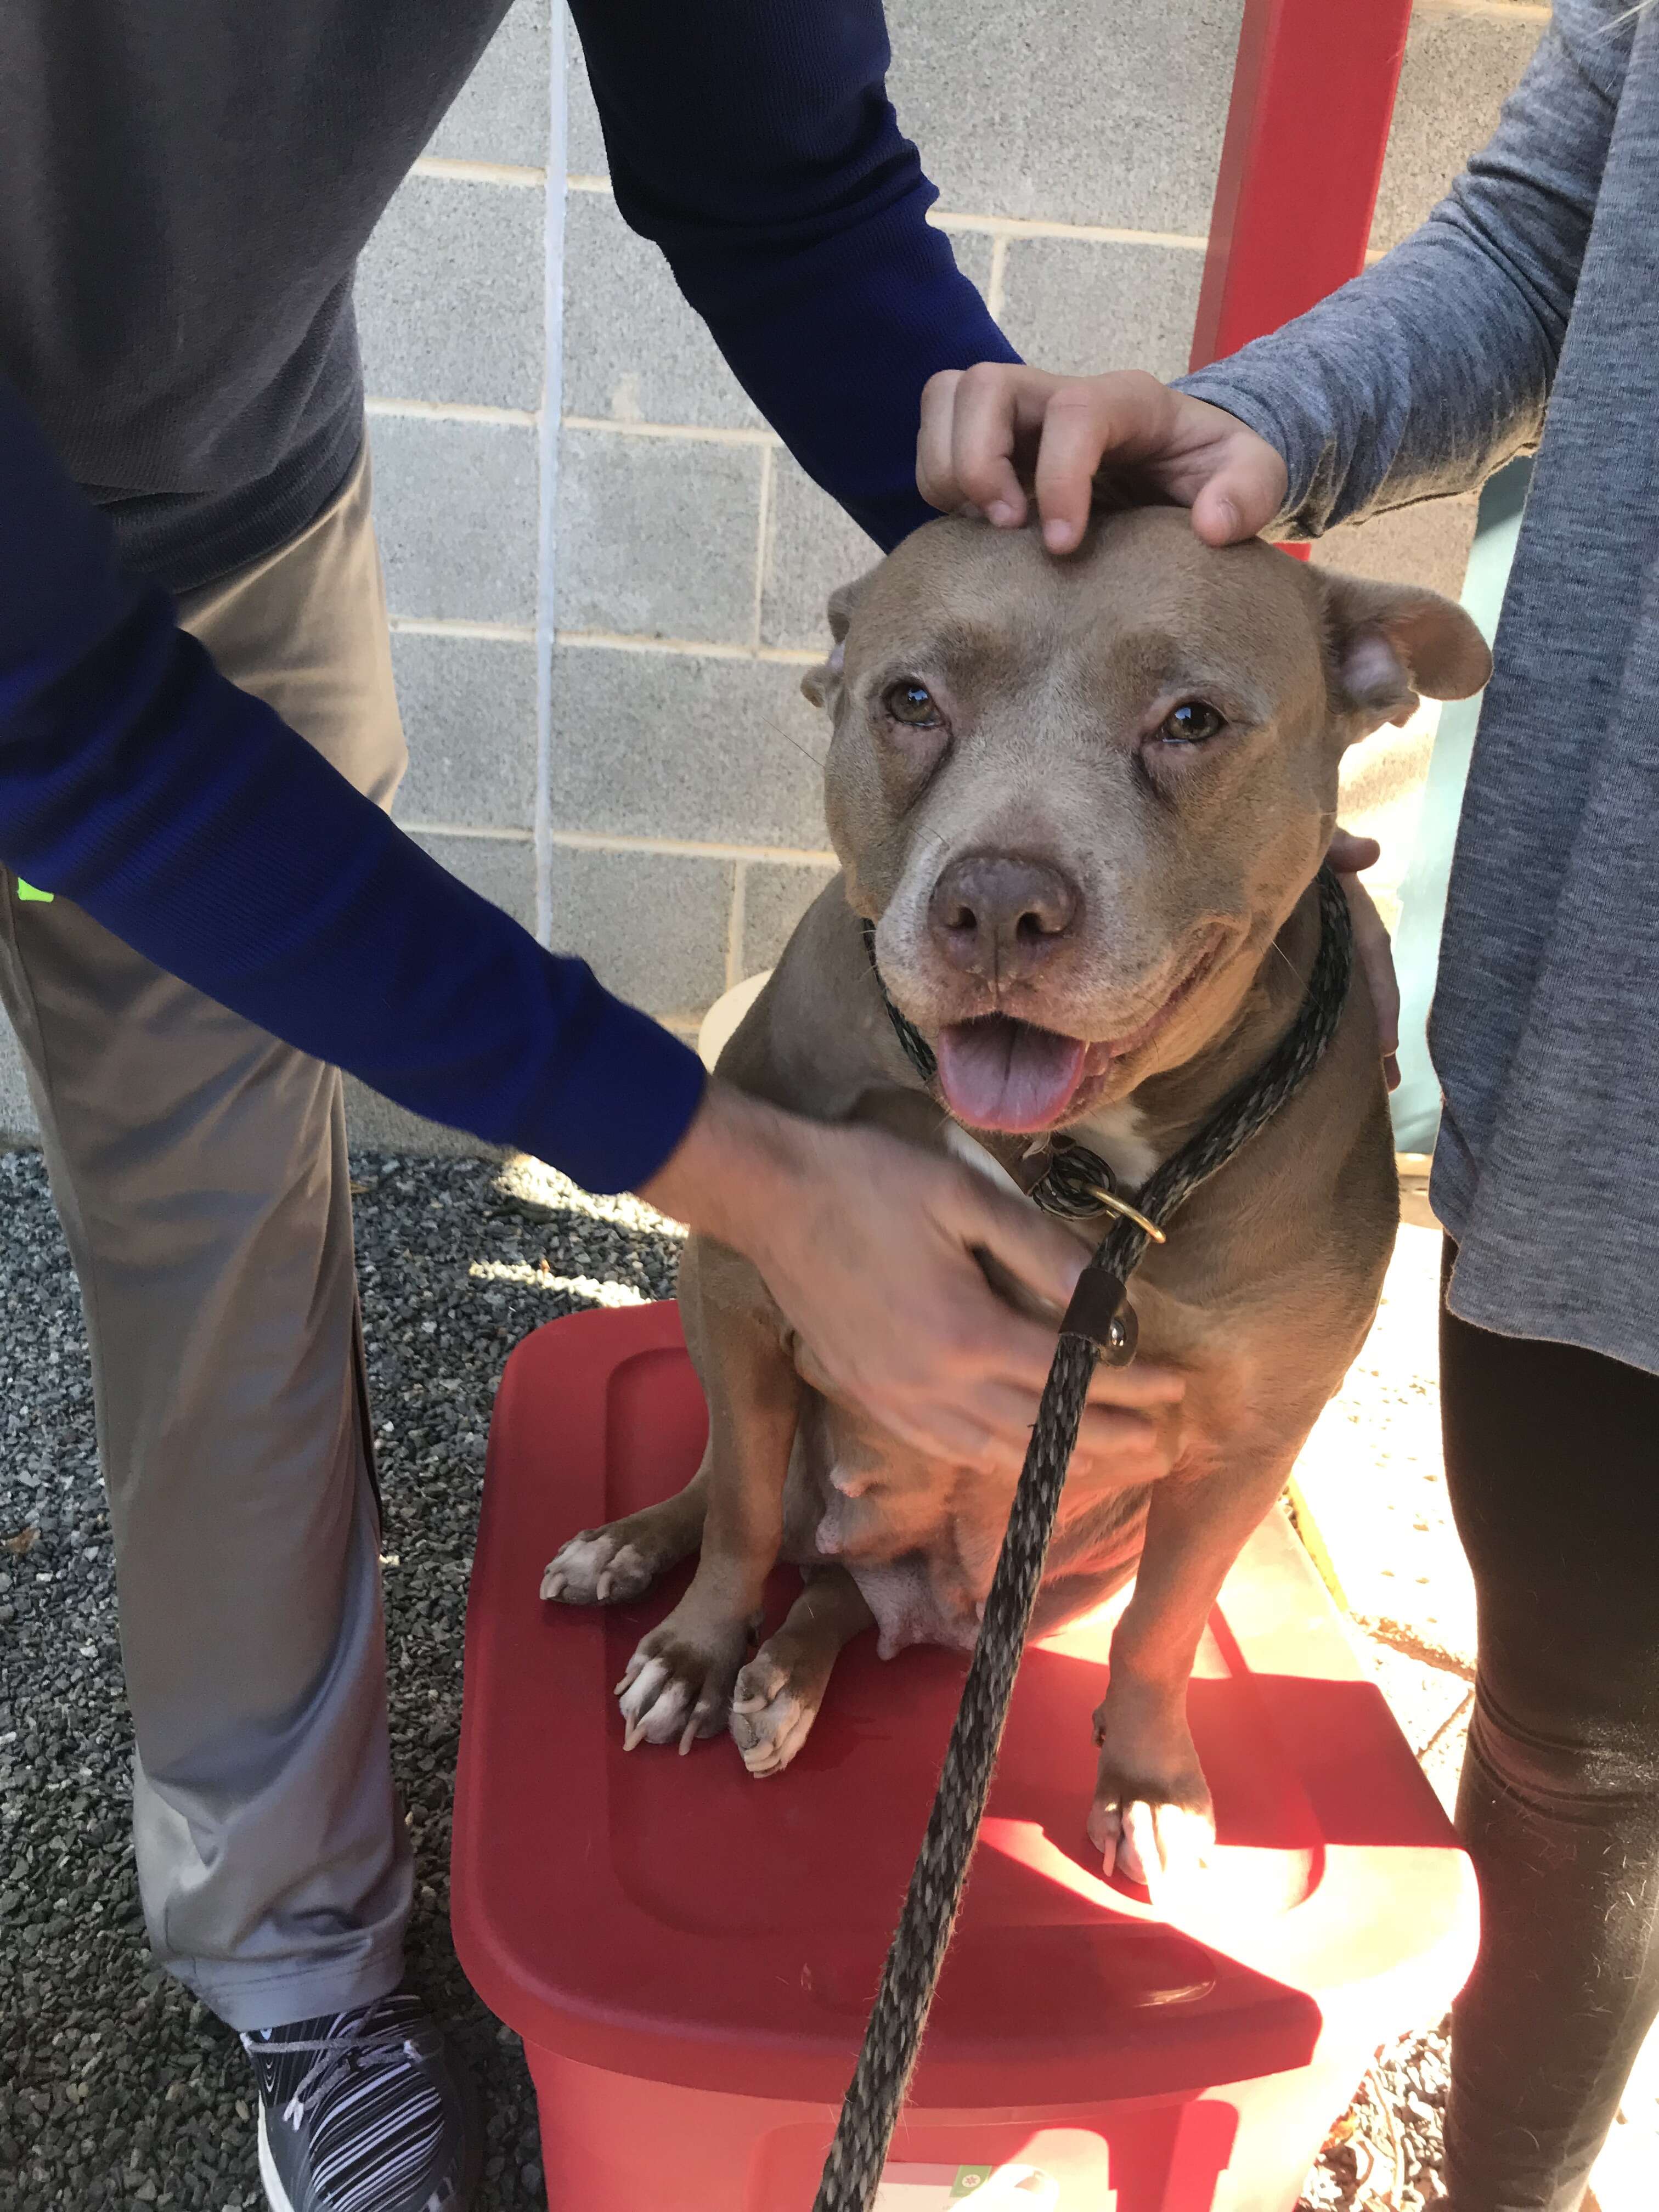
[115, 2089]
[1383, 2155]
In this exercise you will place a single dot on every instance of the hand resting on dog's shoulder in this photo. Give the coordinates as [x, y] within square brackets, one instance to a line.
[868, 1246]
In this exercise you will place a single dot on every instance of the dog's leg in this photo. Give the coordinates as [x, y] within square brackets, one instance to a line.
[778, 1693]
[618, 1563]
[678, 1685]
[1152, 1813]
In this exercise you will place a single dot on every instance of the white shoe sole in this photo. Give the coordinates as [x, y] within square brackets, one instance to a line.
[276, 2195]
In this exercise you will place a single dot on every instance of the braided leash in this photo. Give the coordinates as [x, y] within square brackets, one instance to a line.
[1098, 1323]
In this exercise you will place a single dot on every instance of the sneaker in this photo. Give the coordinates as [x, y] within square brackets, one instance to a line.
[364, 2112]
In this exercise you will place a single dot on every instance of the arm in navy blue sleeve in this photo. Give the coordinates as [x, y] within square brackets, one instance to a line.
[190, 820]
[754, 142]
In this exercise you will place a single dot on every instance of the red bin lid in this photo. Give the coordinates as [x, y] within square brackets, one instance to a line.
[674, 1919]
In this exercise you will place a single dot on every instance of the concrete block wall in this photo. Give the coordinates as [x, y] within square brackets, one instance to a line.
[605, 574]
[1075, 150]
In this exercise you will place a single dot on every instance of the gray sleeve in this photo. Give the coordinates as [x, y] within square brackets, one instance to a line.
[1426, 372]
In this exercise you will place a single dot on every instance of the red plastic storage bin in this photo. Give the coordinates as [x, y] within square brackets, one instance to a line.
[690, 1955]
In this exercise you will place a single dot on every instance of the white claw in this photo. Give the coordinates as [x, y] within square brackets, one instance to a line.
[1104, 1824]
[634, 1734]
[602, 1587]
[552, 1583]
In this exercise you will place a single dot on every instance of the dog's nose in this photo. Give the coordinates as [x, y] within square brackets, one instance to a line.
[995, 914]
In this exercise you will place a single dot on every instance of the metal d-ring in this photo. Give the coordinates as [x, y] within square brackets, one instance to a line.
[1113, 1204]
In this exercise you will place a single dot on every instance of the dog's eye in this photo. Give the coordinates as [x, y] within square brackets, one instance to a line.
[912, 703]
[1191, 723]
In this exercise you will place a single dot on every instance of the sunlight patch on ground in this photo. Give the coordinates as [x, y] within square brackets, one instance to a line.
[542, 1190]
[1372, 1475]
[586, 1287]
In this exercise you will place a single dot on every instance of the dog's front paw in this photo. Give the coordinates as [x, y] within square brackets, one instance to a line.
[678, 1685]
[776, 1700]
[1151, 1818]
[603, 1567]
[1146, 1838]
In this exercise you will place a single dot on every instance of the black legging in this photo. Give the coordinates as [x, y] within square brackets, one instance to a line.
[1553, 1462]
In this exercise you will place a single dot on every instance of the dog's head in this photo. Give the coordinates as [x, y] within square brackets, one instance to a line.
[1080, 797]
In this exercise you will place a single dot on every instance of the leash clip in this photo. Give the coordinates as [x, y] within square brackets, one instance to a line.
[1101, 1311]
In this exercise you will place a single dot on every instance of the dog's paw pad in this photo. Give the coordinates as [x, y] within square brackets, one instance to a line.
[597, 1568]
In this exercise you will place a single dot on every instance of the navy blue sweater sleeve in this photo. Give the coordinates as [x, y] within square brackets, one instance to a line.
[191, 821]
[754, 141]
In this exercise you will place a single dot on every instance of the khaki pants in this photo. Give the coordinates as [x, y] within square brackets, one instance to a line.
[199, 1170]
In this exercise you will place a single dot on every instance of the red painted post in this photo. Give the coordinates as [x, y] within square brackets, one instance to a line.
[1313, 96]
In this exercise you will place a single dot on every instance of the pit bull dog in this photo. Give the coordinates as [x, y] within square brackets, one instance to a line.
[1082, 803]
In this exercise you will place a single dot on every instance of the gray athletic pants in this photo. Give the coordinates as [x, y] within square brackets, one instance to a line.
[199, 1170]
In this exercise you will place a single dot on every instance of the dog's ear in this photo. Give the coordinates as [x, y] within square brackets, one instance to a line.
[1388, 643]
[822, 685]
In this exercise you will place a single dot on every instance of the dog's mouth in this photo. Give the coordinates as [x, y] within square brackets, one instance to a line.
[998, 1071]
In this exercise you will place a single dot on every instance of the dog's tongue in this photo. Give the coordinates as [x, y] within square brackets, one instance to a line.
[998, 1073]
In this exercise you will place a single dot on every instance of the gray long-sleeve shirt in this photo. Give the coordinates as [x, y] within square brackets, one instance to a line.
[1525, 312]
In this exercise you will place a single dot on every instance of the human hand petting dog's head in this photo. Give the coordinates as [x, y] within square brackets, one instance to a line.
[992, 433]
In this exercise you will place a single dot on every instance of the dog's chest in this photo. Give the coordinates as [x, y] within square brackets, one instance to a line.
[1121, 1138]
